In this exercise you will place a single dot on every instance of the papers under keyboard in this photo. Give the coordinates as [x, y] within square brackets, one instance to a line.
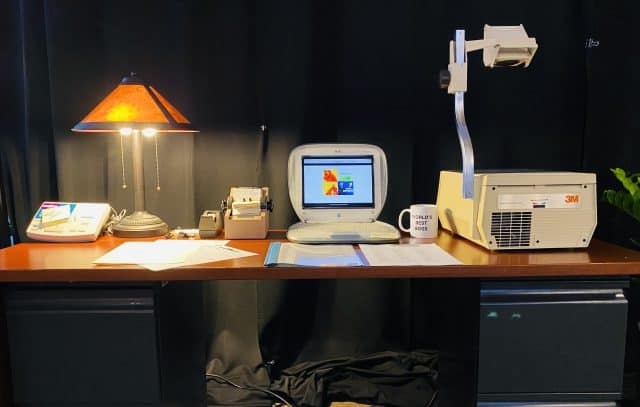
[343, 232]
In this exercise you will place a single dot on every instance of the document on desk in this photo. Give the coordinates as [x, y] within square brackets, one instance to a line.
[165, 254]
[144, 253]
[407, 255]
[295, 254]
[203, 251]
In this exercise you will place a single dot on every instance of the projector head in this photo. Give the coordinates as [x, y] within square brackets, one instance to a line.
[510, 46]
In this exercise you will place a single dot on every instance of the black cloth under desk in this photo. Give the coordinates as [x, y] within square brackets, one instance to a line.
[387, 378]
[369, 341]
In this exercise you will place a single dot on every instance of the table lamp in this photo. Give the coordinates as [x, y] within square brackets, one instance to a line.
[507, 45]
[135, 109]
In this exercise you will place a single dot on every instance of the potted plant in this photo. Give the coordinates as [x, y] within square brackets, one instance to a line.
[627, 199]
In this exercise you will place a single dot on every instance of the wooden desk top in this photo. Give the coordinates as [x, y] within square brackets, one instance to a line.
[68, 262]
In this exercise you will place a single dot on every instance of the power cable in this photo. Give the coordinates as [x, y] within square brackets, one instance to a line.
[223, 380]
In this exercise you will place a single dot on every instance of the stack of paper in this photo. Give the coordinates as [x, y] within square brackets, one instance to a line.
[165, 254]
[407, 255]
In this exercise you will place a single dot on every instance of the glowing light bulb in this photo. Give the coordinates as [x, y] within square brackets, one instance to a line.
[149, 132]
[126, 131]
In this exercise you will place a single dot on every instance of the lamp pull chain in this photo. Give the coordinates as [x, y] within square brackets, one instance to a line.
[155, 137]
[124, 182]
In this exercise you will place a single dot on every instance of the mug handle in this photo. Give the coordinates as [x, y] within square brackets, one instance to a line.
[400, 220]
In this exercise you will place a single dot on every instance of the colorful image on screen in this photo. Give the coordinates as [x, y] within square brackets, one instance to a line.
[330, 182]
[335, 183]
[342, 181]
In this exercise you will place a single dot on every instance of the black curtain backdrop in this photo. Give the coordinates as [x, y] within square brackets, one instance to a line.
[312, 71]
[26, 137]
[5, 234]
[612, 122]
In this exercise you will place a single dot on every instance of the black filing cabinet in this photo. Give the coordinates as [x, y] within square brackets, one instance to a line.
[551, 342]
[86, 345]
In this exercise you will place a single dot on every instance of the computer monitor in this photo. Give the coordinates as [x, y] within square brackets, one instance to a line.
[337, 182]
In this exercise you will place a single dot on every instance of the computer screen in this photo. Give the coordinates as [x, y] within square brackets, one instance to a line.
[337, 181]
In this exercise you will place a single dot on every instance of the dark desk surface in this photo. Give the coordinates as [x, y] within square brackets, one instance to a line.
[68, 262]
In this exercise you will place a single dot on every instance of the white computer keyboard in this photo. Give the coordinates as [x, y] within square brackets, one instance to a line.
[343, 232]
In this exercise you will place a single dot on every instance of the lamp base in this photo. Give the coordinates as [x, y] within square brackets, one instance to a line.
[140, 224]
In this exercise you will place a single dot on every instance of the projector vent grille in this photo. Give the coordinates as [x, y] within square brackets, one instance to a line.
[511, 229]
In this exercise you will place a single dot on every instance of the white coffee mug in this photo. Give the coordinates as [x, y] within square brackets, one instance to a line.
[423, 221]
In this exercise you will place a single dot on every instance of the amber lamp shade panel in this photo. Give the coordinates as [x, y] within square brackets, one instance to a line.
[134, 104]
[134, 109]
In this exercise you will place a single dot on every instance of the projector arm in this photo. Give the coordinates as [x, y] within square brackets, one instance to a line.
[502, 46]
[455, 80]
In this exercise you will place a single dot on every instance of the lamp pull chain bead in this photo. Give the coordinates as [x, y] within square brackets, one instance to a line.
[124, 182]
[155, 137]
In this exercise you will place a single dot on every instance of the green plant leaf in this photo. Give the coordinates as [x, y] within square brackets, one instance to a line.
[620, 198]
[635, 211]
[609, 196]
[627, 203]
[627, 199]
[627, 181]
[624, 202]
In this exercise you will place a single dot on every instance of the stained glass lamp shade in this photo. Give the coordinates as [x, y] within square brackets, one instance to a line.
[135, 109]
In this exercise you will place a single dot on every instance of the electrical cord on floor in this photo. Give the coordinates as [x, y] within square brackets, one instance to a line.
[433, 399]
[223, 380]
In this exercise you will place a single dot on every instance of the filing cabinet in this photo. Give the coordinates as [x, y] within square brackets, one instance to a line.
[96, 345]
[552, 342]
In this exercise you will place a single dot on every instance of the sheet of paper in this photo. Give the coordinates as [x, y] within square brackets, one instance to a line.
[163, 254]
[407, 255]
[205, 251]
[55, 214]
[145, 253]
[187, 245]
